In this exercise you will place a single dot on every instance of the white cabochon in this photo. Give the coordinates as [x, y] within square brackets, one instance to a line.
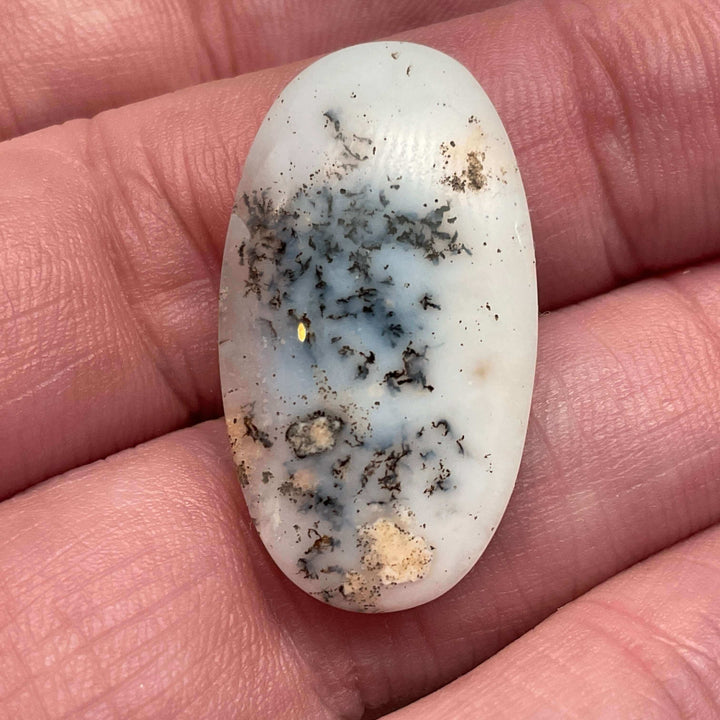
[378, 326]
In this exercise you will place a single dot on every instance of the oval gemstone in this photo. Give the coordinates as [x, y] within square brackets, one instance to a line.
[378, 325]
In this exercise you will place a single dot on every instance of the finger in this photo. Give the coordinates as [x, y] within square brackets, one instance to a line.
[123, 218]
[139, 606]
[65, 60]
[645, 644]
[144, 554]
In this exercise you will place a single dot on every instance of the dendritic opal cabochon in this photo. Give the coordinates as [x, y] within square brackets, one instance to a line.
[378, 326]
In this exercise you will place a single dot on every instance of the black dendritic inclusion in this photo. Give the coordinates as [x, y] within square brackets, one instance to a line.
[315, 558]
[413, 370]
[337, 258]
[322, 249]
[325, 258]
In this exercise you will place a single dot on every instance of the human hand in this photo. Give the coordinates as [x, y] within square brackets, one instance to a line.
[135, 587]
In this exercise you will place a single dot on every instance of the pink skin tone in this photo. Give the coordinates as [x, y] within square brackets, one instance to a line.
[121, 51]
[134, 587]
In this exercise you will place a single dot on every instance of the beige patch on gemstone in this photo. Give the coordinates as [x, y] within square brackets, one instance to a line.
[314, 435]
[482, 370]
[246, 453]
[236, 433]
[393, 554]
[320, 434]
[362, 588]
[356, 585]
[304, 480]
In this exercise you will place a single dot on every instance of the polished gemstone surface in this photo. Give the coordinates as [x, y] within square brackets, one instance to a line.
[378, 323]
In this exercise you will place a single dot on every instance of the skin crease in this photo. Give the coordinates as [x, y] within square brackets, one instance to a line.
[134, 587]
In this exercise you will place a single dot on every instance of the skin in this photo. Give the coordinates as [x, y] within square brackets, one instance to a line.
[134, 586]
[119, 51]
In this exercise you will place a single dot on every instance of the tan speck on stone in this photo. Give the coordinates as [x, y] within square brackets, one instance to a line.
[313, 435]
[246, 453]
[304, 480]
[236, 433]
[320, 434]
[362, 588]
[356, 584]
[394, 554]
[481, 370]
[235, 430]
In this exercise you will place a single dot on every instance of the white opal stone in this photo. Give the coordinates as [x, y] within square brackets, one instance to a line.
[378, 323]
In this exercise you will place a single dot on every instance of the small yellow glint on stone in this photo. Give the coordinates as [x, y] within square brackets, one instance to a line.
[302, 332]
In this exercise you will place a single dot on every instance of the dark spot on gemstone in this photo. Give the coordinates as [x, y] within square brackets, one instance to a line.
[242, 473]
[340, 467]
[255, 433]
[471, 177]
[426, 302]
[440, 481]
[412, 372]
[305, 569]
[383, 469]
